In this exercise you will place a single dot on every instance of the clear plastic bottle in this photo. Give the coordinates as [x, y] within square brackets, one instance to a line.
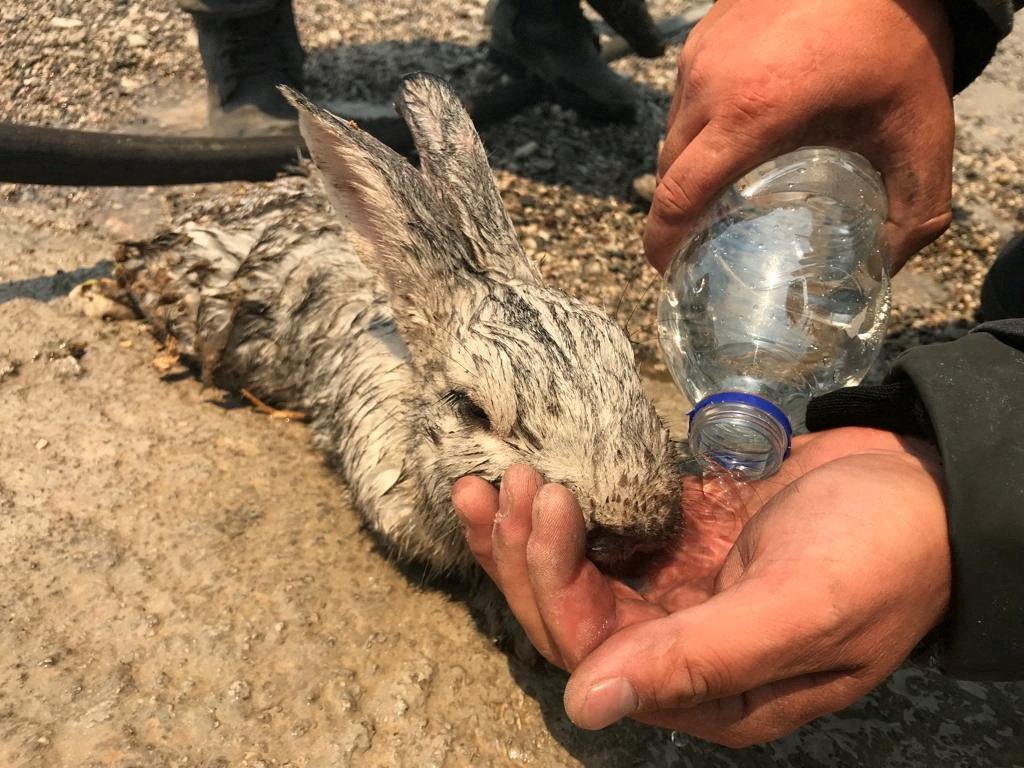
[781, 293]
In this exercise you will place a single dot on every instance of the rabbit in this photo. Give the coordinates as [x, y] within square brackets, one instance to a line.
[418, 337]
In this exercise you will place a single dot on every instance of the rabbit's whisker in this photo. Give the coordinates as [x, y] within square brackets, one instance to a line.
[636, 306]
[634, 274]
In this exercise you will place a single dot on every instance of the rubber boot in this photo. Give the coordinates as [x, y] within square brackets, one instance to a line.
[248, 47]
[1002, 291]
[552, 41]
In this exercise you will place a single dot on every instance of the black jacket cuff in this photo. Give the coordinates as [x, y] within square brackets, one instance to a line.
[966, 396]
[978, 26]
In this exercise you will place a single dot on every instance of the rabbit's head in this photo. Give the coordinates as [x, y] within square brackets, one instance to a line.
[510, 371]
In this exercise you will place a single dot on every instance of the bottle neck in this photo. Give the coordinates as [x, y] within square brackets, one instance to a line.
[739, 433]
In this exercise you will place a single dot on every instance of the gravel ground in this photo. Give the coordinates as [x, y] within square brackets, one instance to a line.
[184, 586]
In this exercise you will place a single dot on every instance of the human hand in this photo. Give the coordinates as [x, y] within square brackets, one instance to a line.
[840, 566]
[758, 78]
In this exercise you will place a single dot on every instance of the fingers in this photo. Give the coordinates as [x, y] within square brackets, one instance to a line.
[737, 641]
[532, 543]
[917, 161]
[686, 119]
[919, 185]
[476, 502]
[716, 157]
[917, 179]
[511, 531]
[574, 599]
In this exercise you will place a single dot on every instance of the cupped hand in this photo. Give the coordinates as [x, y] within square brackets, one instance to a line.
[784, 600]
[758, 78]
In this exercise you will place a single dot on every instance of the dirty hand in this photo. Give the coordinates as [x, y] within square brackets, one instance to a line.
[758, 78]
[840, 566]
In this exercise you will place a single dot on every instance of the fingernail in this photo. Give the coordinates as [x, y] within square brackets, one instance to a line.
[606, 702]
[505, 502]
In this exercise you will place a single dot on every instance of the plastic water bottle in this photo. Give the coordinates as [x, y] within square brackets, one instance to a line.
[781, 293]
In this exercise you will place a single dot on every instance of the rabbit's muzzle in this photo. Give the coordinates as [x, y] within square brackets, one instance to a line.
[618, 553]
[610, 549]
[625, 547]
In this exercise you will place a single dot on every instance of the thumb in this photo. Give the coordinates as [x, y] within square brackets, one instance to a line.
[714, 159]
[743, 638]
[719, 155]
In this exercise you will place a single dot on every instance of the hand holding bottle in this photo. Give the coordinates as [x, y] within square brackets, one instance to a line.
[758, 78]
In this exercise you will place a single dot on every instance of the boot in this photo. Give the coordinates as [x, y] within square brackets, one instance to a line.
[632, 20]
[1002, 291]
[248, 49]
[552, 41]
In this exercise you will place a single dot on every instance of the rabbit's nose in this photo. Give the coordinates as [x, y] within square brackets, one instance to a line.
[608, 547]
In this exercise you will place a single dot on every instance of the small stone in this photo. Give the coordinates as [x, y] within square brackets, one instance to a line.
[100, 299]
[239, 690]
[525, 150]
[643, 187]
[135, 40]
[66, 368]
[61, 22]
[9, 367]
[42, 443]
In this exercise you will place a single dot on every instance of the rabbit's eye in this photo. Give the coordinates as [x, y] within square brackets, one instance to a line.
[469, 412]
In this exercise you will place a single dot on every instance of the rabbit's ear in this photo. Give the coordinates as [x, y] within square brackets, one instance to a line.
[455, 167]
[398, 227]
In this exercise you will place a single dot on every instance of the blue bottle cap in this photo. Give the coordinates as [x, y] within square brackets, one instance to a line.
[746, 398]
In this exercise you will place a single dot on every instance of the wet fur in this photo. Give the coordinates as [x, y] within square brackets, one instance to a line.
[418, 338]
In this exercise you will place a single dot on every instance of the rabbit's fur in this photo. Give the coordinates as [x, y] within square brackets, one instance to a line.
[418, 338]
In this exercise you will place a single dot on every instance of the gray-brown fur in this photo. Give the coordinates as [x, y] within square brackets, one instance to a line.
[418, 338]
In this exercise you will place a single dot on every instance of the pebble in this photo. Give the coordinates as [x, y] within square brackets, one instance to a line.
[65, 23]
[41, 444]
[240, 690]
[643, 187]
[525, 150]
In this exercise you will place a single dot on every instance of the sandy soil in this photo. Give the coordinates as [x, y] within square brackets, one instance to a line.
[184, 583]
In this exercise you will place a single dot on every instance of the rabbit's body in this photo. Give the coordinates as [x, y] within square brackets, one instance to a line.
[290, 313]
[418, 339]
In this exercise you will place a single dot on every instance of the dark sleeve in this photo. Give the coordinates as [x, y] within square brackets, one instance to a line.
[967, 396]
[978, 26]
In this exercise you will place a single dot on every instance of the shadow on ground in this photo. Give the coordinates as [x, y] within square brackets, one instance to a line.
[49, 287]
[543, 142]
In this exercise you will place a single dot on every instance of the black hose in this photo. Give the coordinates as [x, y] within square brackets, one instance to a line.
[33, 155]
[42, 155]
